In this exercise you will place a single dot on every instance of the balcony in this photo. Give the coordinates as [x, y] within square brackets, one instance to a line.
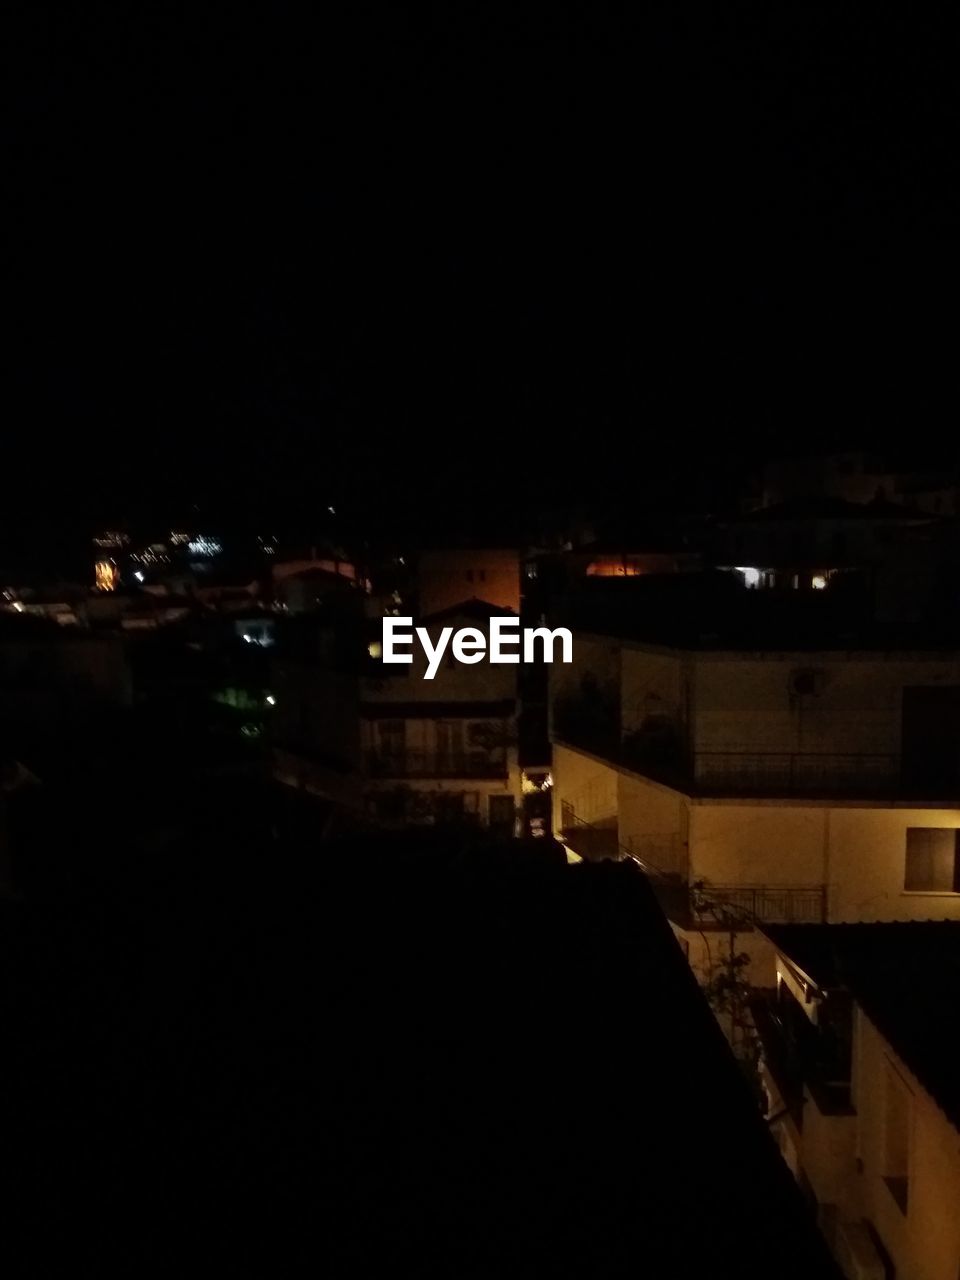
[703, 906]
[793, 773]
[800, 1055]
[415, 764]
[762, 903]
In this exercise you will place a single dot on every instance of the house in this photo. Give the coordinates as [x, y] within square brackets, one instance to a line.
[861, 1067]
[448, 576]
[443, 749]
[763, 774]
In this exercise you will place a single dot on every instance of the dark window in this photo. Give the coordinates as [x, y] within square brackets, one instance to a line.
[932, 862]
[930, 740]
[502, 815]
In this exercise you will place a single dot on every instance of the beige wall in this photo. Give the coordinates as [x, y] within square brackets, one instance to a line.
[654, 822]
[757, 844]
[924, 1242]
[651, 685]
[866, 856]
[857, 850]
[743, 702]
[587, 784]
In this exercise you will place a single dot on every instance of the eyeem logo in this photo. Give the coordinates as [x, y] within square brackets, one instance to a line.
[469, 645]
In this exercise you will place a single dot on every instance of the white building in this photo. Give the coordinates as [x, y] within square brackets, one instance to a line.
[861, 1069]
[789, 785]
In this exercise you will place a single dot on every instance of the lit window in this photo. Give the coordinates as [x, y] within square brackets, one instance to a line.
[932, 862]
[375, 649]
[818, 582]
[751, 576]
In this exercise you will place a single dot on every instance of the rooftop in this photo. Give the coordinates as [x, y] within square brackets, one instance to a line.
[905, 977]
[421, 1054]
[714, 611]
[475, 610]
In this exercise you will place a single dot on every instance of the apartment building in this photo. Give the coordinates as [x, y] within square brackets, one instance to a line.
[861, 1069]
[442, 750]
[761, 781]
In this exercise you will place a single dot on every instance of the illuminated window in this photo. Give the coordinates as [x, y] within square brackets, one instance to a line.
[932, 862]
[818, 582]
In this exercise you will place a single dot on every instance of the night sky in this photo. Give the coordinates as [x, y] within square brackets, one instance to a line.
[464, 256]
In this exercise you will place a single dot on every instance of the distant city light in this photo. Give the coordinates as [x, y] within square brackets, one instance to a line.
[203, 546]
[248, 637]
[271, 700]
[18, 607]
[106, 576]
[178, 538]
[332, 511]
[110, 539]
[375, 649]
[138, 574]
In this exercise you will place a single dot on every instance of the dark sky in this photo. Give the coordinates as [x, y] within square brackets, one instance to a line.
[466, 252]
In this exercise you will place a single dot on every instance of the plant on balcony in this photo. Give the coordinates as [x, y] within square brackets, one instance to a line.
[726, 986]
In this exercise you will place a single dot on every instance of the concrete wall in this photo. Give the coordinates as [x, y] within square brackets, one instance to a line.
[587, 784]
[652, 685]
[857, 850]
[924, 1242]
[744, 703]
[654, 822]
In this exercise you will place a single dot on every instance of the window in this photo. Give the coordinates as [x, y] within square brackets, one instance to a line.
[896, 1151]
[933, 860]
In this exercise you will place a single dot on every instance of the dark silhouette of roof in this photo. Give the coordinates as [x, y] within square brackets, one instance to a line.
[475, 610]
[906, 977]
[828, 508]
[429, 1055]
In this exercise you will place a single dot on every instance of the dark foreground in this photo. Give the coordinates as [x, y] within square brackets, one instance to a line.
[261, 1054]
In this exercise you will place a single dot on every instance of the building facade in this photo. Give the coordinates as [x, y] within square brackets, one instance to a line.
[861, 1074]
[788, 786]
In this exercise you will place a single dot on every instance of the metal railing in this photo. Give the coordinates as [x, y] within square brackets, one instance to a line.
[701, 904]
[796, 772]
[763, 903]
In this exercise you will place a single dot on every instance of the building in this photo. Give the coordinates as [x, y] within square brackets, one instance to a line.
[861, 1068]
[759, 780]
[447, 577]
[859, 476]
[814, 543]
[442, 750]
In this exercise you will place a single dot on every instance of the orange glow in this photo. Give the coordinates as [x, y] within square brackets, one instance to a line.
[107, 576]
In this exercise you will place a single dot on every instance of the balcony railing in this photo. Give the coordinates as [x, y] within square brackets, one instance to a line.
[701, 905]
[436, 764]
[796, 773]
[763, 903]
